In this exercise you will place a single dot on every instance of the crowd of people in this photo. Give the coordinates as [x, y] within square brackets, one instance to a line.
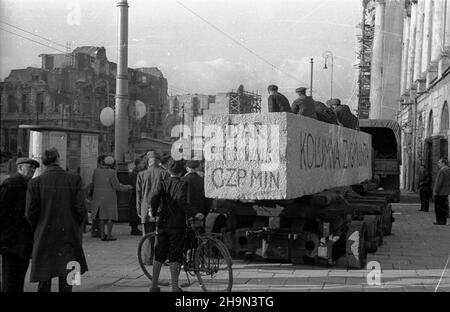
[42, 218]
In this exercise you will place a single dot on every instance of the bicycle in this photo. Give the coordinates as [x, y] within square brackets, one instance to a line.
[208, 259]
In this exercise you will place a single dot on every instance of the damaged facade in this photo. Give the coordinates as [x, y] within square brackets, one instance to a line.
[70, 90]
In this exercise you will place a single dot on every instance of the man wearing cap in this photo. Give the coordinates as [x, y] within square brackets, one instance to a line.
[344, 115]
[169, 203]
[16, 236]
[55, 210]
[195, 187]
[304, 105]
[146, 184]
[277, 102]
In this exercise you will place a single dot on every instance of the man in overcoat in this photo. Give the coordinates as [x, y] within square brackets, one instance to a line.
[441, 192]
[304, 105]
[277, 102]
[55, 210]
[146, 184]
[16, 237]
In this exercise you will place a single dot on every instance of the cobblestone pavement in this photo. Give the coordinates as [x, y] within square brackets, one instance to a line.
[413, 258]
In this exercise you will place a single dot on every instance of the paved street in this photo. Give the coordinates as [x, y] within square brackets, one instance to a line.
[412, 259]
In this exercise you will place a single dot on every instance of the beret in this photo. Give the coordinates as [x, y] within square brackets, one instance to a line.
[25, 160]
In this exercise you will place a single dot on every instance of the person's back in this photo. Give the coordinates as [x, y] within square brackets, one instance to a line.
[442, 184]
[325, 113]
[304, 105]
[345, 117]
[279, 103]
[195, 192]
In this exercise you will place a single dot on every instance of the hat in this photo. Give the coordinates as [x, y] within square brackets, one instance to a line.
[175, 166]
[153, 154]
[193, 164]
[300, 90]
[272, 88]
[25, 160]
[335, 102]
[108, 161]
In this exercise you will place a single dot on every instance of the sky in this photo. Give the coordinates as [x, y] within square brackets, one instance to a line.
[201, 46]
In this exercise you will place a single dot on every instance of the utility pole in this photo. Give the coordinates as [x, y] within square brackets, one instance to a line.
[121, 115]
[326, 55]
[312, 75]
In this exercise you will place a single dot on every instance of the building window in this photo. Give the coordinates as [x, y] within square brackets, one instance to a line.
[40, 103]
[12, 106]
[24, 103]
[445, 119]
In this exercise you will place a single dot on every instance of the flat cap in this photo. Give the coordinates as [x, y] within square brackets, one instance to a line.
[192, 164]
[25, 160]
[108, 161]
[153, 154]
[175, 166]
[301, 89]
[335, 102]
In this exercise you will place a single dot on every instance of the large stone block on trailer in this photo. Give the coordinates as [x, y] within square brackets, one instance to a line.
[278, 156]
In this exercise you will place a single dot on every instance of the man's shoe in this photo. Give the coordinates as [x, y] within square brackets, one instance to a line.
[155, 289]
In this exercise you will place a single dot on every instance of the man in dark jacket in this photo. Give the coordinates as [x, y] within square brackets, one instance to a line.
[441, 192]
[304, 105]
[55, 210]
[172, 214]
[16, 236]
[195, 188]
[344, 115]
[325, 113]
[277, 102]
[139, 165]
[424, 188]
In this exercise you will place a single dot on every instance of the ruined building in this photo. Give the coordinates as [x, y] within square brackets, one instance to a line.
[70, 90]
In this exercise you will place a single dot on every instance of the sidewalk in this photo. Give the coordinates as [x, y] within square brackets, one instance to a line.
[413, 258]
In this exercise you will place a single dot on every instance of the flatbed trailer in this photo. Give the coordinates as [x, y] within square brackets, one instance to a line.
[337, 226]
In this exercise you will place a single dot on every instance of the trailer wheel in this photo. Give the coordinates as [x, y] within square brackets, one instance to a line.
[371, 230]
[387, 221]
[356, 252]
[380, 233]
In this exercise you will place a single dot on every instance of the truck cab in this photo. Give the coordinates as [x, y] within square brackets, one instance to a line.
[386, 154]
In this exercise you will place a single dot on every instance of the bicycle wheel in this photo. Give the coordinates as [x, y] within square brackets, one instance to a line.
[146, 257]
[213, 266]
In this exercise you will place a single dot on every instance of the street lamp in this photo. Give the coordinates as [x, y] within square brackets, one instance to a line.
[326, 55]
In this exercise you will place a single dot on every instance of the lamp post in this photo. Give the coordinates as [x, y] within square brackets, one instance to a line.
[326, 55]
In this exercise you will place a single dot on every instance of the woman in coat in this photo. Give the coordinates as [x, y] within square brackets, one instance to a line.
[104, 199]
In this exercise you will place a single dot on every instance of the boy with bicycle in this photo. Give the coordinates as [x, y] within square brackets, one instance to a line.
[171, 198]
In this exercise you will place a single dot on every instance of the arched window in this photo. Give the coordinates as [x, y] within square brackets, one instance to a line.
[420, 127]
[430, 125]
[444, 119]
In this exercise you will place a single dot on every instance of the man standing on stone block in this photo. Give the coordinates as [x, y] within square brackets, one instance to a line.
[424, 188]
[277, 102]
[441, 192]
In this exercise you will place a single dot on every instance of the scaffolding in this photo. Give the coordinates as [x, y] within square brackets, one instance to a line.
[244, 102]
[365, 41]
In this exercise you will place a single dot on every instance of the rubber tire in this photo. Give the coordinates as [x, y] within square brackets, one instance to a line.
[360, 261]
[387, 221]
[371, 230]
[225, 253]
[139, 250]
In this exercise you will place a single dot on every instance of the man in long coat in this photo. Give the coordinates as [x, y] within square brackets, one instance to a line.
[441, 192]
[55, 210]
[146, 185]
[16, 236]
